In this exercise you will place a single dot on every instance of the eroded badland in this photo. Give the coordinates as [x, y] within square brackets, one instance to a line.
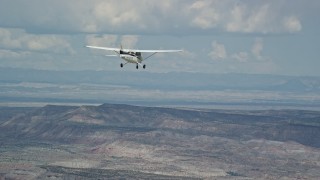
[121, 141]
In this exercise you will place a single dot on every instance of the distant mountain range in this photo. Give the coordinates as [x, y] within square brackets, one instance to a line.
[60, 122]
[158, 89]
[167, 81]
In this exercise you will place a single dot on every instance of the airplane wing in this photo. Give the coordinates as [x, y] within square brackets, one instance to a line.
[154, 51]
[104, 48]
[134, 50]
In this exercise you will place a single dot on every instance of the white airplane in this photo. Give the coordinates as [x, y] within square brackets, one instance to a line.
[133, 55]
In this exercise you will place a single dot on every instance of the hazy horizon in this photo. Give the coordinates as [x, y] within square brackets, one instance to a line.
[27, 87]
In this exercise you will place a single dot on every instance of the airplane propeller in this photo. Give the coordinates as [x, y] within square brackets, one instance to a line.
[121, 52]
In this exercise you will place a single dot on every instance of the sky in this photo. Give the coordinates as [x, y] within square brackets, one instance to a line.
[229, 36]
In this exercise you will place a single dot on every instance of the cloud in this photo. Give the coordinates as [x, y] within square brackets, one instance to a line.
[116, 13]
[245, 19]
[149, 16]
[129, 41]
[20, 40]
[187, 54]
[204, 15]
[102, 40]
[12, 54]
[218, 51]
[292, 24]
[257, 48]
[107, 40]
[261, 18]
[241, 56]
[6, 39]
[52, 30]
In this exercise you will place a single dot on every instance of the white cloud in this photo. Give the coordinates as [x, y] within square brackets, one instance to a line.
[246, 19]
[107, 40]
[188, 54]
[6, 39]
[102, 40]
[151, 23]
[218, 51]
[46, 43]
[257, 49]
[292, 24]
[241, 56]
[149, 16]
[17, 39]
[117, 13]
[263, 18]
[129, 41]
[12, 54]
[204, 15]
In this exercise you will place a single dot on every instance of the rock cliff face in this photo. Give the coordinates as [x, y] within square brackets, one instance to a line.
[160, 142]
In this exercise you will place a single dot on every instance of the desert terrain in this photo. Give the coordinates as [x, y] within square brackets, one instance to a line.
[115, 141]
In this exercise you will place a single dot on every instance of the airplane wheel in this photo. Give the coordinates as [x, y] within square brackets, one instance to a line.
[121, 65]
[137, 67]
[144, 66]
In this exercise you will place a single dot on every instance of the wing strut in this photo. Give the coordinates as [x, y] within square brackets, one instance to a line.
[150, 56]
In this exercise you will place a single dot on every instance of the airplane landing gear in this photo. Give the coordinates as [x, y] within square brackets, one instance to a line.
[137, 65]
[143, 66]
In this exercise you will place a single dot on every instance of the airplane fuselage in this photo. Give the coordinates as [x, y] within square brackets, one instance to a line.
[131, 57]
